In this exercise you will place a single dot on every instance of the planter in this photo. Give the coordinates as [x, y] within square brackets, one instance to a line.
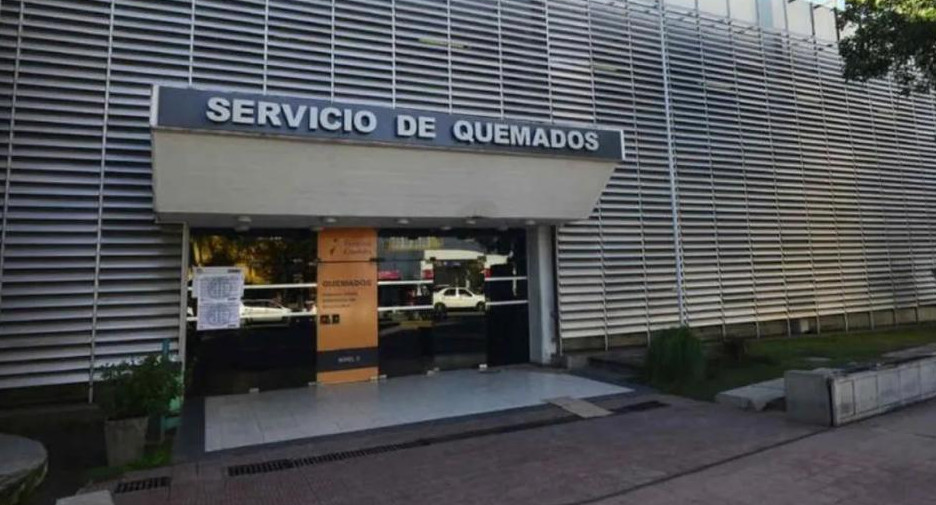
[125, 440]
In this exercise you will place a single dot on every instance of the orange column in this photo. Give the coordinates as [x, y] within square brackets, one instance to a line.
[347, 305]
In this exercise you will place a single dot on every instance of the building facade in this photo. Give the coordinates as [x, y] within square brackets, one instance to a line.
[759, 193]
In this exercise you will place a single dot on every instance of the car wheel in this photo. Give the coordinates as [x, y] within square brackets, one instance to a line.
[480, 306]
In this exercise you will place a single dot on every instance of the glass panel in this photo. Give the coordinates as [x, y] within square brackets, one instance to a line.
[446, 300]
[771, 13]
[744, 10]
[824, 21]
[275, 345]
[799, 17]
[717, 7]
[686, 4]
[436, 307]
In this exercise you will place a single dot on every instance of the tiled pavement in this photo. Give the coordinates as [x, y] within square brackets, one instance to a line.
[687, 453]
[557, 464]
[889, 460]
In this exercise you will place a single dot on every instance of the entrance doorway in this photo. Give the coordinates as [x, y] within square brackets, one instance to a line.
[274, 348]
[450, 300]
[447, 300]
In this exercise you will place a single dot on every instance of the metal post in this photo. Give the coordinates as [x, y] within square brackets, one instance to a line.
[674, 195]
[183, 297]
[191, 73]
[266, 43]
[92, 365]
[9, 153]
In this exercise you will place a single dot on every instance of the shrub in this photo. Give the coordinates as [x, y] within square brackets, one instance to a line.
[734, 351]
[675, 358]
[139, 388]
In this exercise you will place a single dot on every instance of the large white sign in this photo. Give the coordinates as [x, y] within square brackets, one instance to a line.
[198, 109]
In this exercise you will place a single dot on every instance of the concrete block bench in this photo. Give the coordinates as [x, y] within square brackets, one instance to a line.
[836, 397]
[23, 466]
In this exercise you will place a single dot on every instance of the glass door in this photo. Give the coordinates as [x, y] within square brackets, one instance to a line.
[450, 300]
[275, 345]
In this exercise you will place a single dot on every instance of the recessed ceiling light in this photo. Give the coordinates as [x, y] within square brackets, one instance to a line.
[530, 222]
[471, 222]
[446, 228]
[330, 220]
[244, 219]
[402, 220]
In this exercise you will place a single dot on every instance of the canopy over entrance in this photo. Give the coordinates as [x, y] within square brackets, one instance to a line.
[218, 157]
[206, 179]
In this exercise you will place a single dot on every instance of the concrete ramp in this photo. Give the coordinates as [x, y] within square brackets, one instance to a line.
[754, 397]
[579, 407]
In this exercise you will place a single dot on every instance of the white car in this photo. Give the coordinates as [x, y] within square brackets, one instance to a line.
[263, 311]
[457, 298]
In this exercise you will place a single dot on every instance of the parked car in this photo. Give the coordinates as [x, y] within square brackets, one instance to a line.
[457, 299]
[311, 307]
[263, 311]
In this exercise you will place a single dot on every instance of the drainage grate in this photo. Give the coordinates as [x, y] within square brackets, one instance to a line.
[132, 486]
[276, 465]
[261, 467]
[285, 464]
[639, 407]
[338, 456]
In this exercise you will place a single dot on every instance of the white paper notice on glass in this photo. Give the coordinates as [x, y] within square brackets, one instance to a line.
[219, 291]
[216, 284]
[218, 315]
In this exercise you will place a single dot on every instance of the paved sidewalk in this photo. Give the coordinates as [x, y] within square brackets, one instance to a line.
[556, 464]
[890, 460]
[689, 452]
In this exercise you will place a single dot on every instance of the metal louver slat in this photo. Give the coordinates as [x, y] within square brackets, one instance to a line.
[79, 229]
[799, 196]
[61, 57]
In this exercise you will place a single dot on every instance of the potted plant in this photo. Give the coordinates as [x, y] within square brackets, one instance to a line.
[131, 393]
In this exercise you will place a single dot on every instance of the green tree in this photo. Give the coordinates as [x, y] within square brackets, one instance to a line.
[890, 37]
